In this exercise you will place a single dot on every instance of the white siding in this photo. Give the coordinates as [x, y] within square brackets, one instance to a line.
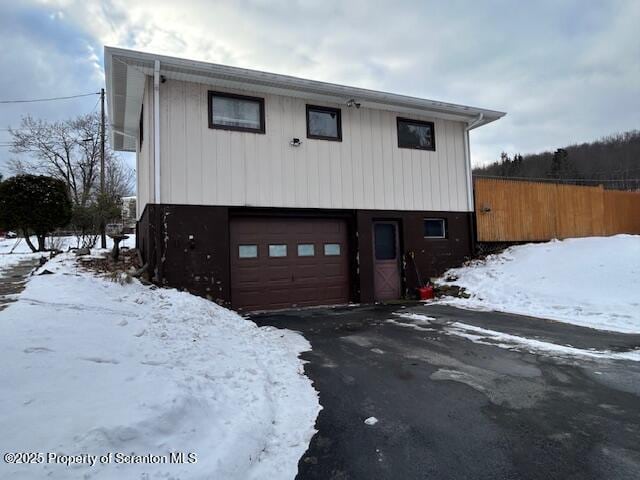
[366, 170]
[144, 156]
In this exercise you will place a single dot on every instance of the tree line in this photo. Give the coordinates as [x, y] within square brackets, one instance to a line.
[613, 161]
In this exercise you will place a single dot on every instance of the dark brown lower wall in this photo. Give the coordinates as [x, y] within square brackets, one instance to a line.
[432, 255]
[188, 246]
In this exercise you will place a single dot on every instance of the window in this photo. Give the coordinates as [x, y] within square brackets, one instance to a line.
[435, 228]
[324, 123]
[236, 112]
[385, 241]
[331, 249]
[416, 134]
[277, 250]
[248, 251]
[306, 250]
[141, 128]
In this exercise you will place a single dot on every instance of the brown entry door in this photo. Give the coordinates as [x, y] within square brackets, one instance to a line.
[288, 262]
[386, 259]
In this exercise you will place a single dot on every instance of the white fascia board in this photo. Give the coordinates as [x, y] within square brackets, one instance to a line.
[233, 77]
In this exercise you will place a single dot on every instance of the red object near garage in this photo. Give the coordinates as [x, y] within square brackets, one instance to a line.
[426, 292]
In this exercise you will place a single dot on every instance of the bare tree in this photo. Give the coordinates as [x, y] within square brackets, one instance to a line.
[70, 150]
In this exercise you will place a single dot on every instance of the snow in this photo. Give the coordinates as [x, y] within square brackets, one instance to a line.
[417, 317]
[513, 342]
[96, 367]
[16, 250]
[592, 282]
[508, 341]
[371, 421]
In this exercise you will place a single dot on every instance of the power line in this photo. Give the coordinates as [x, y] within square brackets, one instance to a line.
[50, 99]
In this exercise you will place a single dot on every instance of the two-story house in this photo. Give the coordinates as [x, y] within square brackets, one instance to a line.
[264, 191]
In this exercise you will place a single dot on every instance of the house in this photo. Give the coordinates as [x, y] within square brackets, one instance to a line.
[129, 214]
[264, 191]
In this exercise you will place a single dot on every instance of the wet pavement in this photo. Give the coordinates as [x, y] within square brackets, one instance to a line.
[451, 408]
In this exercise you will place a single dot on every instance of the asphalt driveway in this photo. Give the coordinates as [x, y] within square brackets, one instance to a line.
[451, 408]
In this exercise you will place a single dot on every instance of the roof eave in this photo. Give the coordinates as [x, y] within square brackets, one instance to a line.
[142, 64]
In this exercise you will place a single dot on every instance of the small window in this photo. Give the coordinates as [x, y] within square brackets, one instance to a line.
[416, 134]
[306, 250]
[331, 249]
[324, 123]
[141, 128]
[277, 250]
[435, 228]
[248, 251]
[236, 112]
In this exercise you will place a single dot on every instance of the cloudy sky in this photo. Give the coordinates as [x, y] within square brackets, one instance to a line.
[565, 71]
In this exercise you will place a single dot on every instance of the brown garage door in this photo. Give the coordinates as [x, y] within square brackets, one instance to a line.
[288, 262]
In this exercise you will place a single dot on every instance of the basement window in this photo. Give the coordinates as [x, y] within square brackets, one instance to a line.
[435, 228]
[229, 111]
[416, 134]
[324, 123]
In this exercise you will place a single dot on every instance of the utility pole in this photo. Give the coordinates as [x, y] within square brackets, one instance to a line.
[103, 237]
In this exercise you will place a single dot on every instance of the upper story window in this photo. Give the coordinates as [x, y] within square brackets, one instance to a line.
[416, 134]
[229, 111]
[324, 123]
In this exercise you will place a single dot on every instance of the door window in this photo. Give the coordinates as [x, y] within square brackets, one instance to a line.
[385, 241]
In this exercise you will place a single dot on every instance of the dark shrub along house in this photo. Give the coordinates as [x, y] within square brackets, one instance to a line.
[265, 191]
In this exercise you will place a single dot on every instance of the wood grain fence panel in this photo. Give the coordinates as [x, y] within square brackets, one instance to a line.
[622, 212]
[516, 211]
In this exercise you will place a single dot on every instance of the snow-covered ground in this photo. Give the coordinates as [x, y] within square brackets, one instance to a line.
[592, 282]
[15, 250]
[92, 366]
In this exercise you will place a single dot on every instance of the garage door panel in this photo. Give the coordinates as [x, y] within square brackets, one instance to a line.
[278, 282]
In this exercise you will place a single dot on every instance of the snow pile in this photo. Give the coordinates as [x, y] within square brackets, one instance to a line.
[96, 367]
[592, 282]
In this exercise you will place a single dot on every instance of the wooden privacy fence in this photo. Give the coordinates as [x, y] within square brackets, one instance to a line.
[516, 211]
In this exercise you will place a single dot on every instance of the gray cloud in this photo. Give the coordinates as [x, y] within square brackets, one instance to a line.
[565, 71]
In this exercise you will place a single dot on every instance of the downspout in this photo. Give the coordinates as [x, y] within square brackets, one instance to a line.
[467, 165]
[156, 131]
[159, 248]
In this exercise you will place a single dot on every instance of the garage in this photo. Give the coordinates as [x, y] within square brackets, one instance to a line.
[288, 262]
